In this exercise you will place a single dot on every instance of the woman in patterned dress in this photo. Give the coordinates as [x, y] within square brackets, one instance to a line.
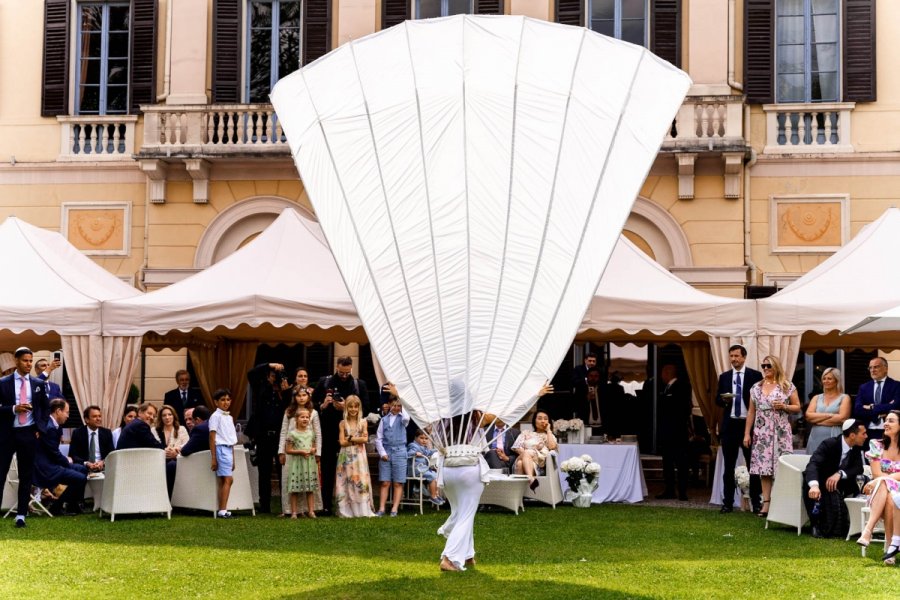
[884, 458]
[771, 401]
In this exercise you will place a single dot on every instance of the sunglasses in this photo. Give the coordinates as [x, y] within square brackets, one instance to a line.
[766, 366]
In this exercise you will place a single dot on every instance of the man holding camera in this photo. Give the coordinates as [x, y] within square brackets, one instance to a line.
[264, 426]
[329, 396]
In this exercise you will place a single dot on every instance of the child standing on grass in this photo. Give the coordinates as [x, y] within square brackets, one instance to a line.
[222, 438]
[390, 441]
[419, 450]
[303, 474]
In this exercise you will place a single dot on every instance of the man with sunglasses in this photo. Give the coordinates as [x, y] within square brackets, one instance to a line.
[876, 398]
[733, 395]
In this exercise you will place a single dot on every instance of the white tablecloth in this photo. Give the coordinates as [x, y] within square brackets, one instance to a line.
[621, 476]
[718, 485]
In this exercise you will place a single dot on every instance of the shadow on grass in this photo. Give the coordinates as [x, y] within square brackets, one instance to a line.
[470, 584]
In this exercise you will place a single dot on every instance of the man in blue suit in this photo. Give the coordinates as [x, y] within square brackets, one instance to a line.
[51, 468]
[736, 381]
[199, 440]
[42, 369]
[24, 410]
[876, 398]
[138, 434]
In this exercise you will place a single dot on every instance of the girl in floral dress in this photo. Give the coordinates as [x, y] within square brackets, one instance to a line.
[352, 485]
[303, 473]
[884, 458]
[771, 401]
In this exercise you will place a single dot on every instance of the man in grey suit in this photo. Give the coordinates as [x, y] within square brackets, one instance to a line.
[499, 454]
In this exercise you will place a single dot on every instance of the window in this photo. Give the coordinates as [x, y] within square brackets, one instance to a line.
[806, 53]
[622, 19]
[102, 62]
[426, 9]
[273, 45]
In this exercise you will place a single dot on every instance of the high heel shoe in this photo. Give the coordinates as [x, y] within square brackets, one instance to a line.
[762, 514]
[890, 554]
[865, 538]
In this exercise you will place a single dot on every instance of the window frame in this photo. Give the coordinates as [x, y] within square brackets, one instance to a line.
[617, 19]
[274, 43]
[807, 56]
[445, 9]
[78, 23]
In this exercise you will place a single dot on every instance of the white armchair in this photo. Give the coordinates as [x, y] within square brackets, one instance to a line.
[135, 483]
[786, 498]
[195, 484]
[549, 490]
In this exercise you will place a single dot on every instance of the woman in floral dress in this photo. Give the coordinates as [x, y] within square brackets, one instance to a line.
[533, 447]
[884, 489]
[352, 485]
[771, 401]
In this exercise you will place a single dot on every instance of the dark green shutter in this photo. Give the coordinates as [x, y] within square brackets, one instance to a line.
[759, 51]
[665, 30]
[570, 12]
[143, 53]
[316, 29]
[488, 7]
[394, 12]
[226, 60]
[859, 51]
[55, 80]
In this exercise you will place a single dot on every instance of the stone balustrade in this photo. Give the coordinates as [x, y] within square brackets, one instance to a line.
[706, 124]
[808, 128]
[96, 138]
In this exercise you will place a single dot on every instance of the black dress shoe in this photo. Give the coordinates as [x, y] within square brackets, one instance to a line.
[20, 523]
[726, 509]
[816, 533]
[891, 552]
[666, 496]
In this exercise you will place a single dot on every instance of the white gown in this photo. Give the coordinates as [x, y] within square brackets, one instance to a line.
[463, 486]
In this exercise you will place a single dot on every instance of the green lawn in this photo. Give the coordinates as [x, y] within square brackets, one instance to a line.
[608, 551]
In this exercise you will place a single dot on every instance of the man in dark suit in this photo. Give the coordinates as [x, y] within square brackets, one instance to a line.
[579, 373]
[501, 438]
[267, 382]
[24, 410]
[736, 381]
[138, 434]
[830, 476]
[674, 423]
[876, 398]
[184, 396]
[199, 440]
[91, 442]
[42, 369]
[51, 468]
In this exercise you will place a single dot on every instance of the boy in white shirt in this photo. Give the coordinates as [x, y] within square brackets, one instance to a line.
[222, 439]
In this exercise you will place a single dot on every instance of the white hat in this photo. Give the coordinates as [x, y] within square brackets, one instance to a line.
[847, 425]
[7, 362]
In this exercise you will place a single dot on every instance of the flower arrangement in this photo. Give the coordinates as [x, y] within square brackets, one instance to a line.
[742, 478]
[581, 475]
[563, 425]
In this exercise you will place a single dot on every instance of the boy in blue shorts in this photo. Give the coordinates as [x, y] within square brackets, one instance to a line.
[222, 439]
[390, 441]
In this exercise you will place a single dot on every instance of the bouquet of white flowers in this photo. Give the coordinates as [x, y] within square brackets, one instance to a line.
[742, 478]
[563, 425]
[581, 475]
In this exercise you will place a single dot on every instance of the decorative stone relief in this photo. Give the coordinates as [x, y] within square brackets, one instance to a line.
[98, 228]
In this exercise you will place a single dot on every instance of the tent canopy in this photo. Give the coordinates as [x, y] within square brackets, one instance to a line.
[638, 300]
[283, 286]
[53, 289]
[854, 283]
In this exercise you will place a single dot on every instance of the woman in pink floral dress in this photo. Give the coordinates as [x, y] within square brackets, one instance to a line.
[771, 401]
[884, 489]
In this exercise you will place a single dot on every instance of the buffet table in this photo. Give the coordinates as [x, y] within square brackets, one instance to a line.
[621, 476]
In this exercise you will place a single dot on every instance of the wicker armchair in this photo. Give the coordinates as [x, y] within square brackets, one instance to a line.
[135, 483]
[786, 499]
[195, 484]
[550, 489]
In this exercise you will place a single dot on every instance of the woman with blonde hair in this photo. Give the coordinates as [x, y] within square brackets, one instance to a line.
[352, 484]
[828, 410]
[771, 401]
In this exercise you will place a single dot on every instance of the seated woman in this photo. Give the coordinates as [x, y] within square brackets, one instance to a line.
[127, 417]
[884, 489]
[533, 447]
[169, 431]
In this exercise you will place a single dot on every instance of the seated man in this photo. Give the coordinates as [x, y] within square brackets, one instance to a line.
[499, 454]
[91, 442]
[51, 468]
[199, 440]
[834, 466]
[188, 419]
[138, 434]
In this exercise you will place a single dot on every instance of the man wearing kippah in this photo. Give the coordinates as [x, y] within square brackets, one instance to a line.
[830, 476]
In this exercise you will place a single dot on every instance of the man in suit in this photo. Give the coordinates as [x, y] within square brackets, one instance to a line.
[42, 369]
[499, 454]
[24, 410]
[199, 440]
[876, 398]
[138, 434]
[51, 468]
[736, 381]
[579, 373]
[184, 396]
[267, 382]
[91, 442]
[834, 466]
[674, 422]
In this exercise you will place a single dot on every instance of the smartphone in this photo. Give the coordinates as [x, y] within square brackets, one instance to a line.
[57, 355]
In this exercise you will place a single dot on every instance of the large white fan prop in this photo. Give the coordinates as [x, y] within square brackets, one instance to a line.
[472, 175]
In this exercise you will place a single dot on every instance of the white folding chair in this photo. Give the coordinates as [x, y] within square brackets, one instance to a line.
[12, 484]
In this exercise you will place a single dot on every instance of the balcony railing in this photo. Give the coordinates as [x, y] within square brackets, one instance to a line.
[93, 138]
[706, 124]
[223, 129]
[808, 128]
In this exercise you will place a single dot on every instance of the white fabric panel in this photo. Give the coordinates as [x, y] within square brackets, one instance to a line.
[472, 175]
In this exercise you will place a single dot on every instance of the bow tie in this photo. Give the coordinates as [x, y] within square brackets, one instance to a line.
[225, 412]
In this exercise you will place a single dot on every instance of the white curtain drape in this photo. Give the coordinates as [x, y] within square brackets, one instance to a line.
[785, 348]
[100, 370]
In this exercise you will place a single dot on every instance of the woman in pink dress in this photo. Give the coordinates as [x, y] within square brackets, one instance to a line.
[771, 401]
[884, 489]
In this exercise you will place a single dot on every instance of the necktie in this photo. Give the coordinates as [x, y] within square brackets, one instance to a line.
[23, 399]
[183, 397]
[878, 392]
[738, 395]
[92, 447]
